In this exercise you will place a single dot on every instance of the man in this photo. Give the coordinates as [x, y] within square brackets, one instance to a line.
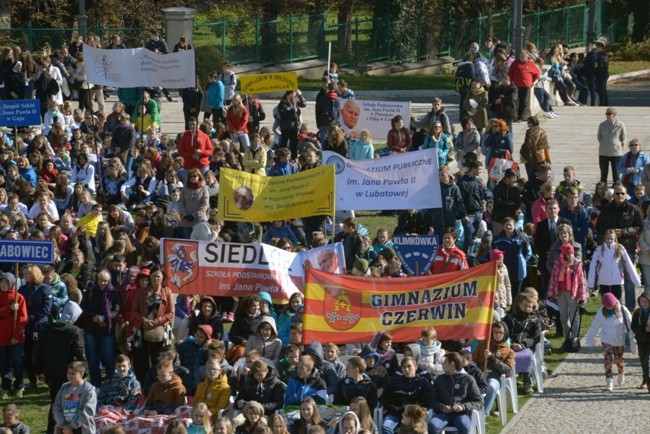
[123, 141]
[196, 148]
[575, 213]
[45, 86]
[611, 139]
[453, 207]
[157, 45]
[182, 45]
[152, 108]
[473, 193]
[327, 111]
[350, 114]
[626, 219]
[523, 73]
[507, 200]
[545, 236]
[602, 74]
[454, 396]
[437, 114]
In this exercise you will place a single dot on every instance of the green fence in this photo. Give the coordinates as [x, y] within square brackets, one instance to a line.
[361, 41]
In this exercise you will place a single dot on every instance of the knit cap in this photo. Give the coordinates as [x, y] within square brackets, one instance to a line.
[609, 300]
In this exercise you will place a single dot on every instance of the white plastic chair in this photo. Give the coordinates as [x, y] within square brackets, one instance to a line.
[478, 424]
[511, 390]
[537, 369]
[378, 416]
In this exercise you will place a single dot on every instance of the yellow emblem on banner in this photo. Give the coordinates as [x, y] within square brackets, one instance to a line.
[253, 198]
[265, 83]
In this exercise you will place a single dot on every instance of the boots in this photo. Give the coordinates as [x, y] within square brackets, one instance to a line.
[528, 384]
[609, 384]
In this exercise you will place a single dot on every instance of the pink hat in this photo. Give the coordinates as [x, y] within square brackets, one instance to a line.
[609, 300]
[207, 330]
[496, 254]
[567, 249]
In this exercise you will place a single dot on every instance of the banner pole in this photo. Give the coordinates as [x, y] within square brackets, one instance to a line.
[329, 59]
[15, 313]
[491, 320]
[417, 268]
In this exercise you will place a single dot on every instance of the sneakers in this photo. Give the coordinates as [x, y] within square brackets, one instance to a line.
[224, 317]
[20, 392]
[609, 385]
[548, 115]
[621, 379]
[228, 317]
[5, 395]
[643, 386]
[570, 103]
[554, 114]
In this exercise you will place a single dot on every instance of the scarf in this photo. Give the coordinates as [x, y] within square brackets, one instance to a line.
[194, 185]
[105, 303]
[565, 271]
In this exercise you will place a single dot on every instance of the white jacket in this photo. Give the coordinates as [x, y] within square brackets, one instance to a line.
[610, 270]
[612, 329]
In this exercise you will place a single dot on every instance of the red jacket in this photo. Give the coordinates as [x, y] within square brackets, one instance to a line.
[447, 260]
[523, 74]
[399, 140]
[7, 331]
[189, 144]
[236, 123]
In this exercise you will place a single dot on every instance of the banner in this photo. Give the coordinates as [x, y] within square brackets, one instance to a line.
[136, 67]
[244, 197]
[265, 83]
[236, 270]
[416, 252]
[375, 116]
[20, 112]
[399, 181]
[26, 251]
[347, 309]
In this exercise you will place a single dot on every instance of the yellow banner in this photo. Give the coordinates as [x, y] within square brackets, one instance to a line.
[265, 83]
[245, 197]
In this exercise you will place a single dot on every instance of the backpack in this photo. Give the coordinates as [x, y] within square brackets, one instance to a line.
[465, 73]
[330, 109]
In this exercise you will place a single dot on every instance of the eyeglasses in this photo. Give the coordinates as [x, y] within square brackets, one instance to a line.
[634, 145]
[609, 113]
[620, 193]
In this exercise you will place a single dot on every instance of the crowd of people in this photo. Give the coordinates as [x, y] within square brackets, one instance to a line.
[101, 328]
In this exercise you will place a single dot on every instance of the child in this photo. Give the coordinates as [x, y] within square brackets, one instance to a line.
[612, 322]
[284, 319]
[413, 420]
[287, 366]
[121, 389]
[309, 416]
[607, 263]
[569, 181]
[11, 416]
[381, 241]
[306, 383]
[253, 411]
[200, 420]
[376, 372]
[265, 340]
[75, 403]
[362, 148]
[266, 305]
[382, 343]
[349, 423]
[503, 299]
[431, 352]
[641, 327]
[214, 391]
[360, 407]
[355, 384]
[567, 285]
[166, 394]
[223, 426]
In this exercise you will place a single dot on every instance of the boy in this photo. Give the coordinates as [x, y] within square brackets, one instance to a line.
[121, 389]
[431, 352]
[306, 382]
[569, 181]
[11, 416]
[376, 372]
[287, 366]
[75, 403]
[166, 394]
[167, 352]
[59, 290]
[189, 350]
[216, 351]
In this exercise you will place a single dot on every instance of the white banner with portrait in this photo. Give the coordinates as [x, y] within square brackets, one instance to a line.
[374, 116]
[139, 67]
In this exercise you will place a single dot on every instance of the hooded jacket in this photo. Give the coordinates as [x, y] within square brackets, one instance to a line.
[326, 368]
[640, 319]
[613, 328]
[269, 348]
[270, 392]
[7, 329]
[348, 389]
[387, 359]
[58, 345]
[120, 392]
[431, 357]
[357, 423]
[80, 420]
[164, 398]
[283, 231]
[457, 388]
[502, 360]
[214, 321]
[214, 393]
[298, 389]
[525, 329]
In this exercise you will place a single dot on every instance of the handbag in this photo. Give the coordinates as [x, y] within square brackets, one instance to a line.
[156, 334]
[572, 344]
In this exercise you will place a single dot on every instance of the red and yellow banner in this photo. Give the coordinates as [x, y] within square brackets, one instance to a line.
[347, 309]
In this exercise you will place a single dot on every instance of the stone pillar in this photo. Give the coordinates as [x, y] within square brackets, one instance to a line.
[5, 15]
[178, 22]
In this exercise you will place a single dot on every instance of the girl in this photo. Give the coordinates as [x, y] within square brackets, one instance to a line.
[236, 121]
[413, 420]
[277, 424]
[359, 406]
[265, 340]
[439, 141]
[381, 241]
[84, 173]
[223, 426]
[349, 423]
[606, 269]
[383, 344]
[448, 256]
[567, 285]
[309, 416]
[214, 391]
[243, 326]
[516, 250]
[504, 295]
[361, 148]
[284, 319]
[331, 352]
[641, 328]
[253, 411]
[612, 322]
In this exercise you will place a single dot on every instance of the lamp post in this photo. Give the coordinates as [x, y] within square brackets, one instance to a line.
[517, 26]
[82, 18]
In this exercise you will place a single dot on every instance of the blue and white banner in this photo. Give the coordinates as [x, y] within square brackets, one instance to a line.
[399, 181]
[20, 112]
[136, 67]
[374, 116]
[27, 252]
[416, 252]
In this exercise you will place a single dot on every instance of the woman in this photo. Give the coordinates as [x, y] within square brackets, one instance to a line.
[237, 121]
[599, 199]
[243, 326]
[140, 188]
[82, 85]
[101, 306]
[497, 142]
[631, 165]
[112, 185]
[38, 297]
[535, 150]
[607, 263]
[209, 315]
[476, 104]
[564, 235]
[253, 413]
[448, 256]
[289, 119]
[194, 202]
[309, 417]
[399, 137]
[467, 142]
[555, 73]
[516, 249]
[102, 241]
[86, 204]
[84, 173]
[254, 160]
[438, 140]
[152, 318]
[26, 170]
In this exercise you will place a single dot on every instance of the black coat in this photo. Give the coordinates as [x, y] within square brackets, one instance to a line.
[58, 345]
[348, 389]
[269, 393]
[401, 391]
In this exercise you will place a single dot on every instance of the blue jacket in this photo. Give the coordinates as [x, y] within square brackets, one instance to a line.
[215, 95]
[281, 232]
[59, 291]
[360, 150]
[39, 305]
[492, 142]
[453, 207]
[637, 162]
[298, 389]
[442, 145]
[29, 174]
[281, 169]
[516, 252]
[188, 353]
[579, 223]
[116, 391]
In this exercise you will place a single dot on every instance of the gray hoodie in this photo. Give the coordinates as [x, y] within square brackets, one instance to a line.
[269, 348]
[356, 421]
[84, 398]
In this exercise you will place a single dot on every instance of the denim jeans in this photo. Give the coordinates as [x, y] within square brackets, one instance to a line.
[471, 228]
[462, 422]
[99, 348]
[645, 271]
[391, 423]
[242, 139]
[493, 388]
[630, 290]
[11, 356]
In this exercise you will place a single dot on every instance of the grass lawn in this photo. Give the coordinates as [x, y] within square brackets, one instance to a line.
[621, 67]
[407, 82]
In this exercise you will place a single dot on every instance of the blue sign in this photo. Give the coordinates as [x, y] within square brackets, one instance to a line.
[20, 112]
[416, 252]
[28, 252]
